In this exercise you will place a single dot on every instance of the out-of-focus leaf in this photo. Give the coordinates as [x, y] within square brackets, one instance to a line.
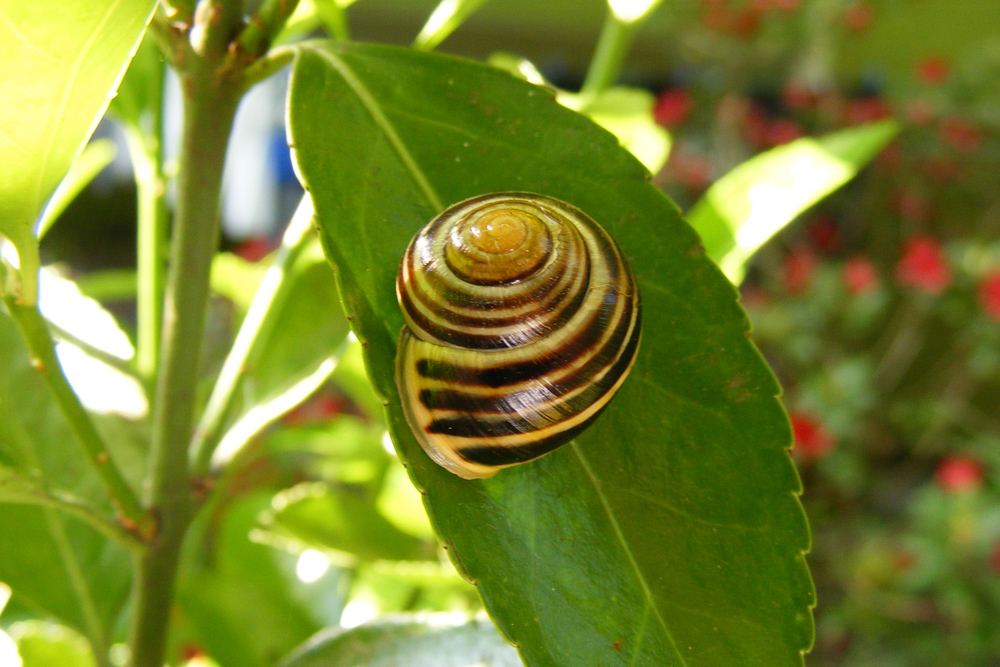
[141, 91]
[343, 450]
[56, 564]
[241, 606]
[298, 349]
[340, 519]
[62, 60]
[94, 158]
[666, 534]
[400, 503]
[352, 378]
[109, 285]
[235, 278]
[446, 17]
[753, 202]
[310, 15]
[48, 645]
[430, 641]
[625, 112]
[628, 114]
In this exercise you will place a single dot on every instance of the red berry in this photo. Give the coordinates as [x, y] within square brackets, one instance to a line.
[860, 275]
[865, 110]
[923, 266]
[959, 473]
[960, 134]
[783, 131]
[932, 70]
[989, 294]
[747, 22]
[858, 17]
[824, 234]
[812, 440]
[920, 111]
[800, 265]
[798, 95]
[254, 248]
[672, 108]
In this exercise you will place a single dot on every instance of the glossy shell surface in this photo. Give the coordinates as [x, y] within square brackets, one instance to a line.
[523, 320]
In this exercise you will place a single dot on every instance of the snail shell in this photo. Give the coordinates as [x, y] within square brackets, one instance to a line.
[522, 321]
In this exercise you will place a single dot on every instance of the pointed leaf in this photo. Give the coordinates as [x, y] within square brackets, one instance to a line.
[753, 202]
[666, 534]
[412, 642]
[62, 60]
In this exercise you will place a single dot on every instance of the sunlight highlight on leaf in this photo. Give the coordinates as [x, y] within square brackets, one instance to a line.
[756, 200]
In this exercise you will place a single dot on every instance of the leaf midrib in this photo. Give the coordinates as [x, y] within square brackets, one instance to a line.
[385, 125]
[647, 592]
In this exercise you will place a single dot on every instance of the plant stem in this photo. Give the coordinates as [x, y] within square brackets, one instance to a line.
[145, 150]
[614, 42]
[75, 507]
[210, 105]
[43, 355]
[266, 303]
[265, 24]
[267, 65]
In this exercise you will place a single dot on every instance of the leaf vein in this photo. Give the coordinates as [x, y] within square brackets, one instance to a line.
[628, 552]
[385, 125]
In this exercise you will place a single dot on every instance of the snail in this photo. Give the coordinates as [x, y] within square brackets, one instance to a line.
[522, 321]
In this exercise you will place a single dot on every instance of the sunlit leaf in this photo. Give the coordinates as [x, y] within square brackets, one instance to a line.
[443, 21]
[62, 60]
[666, 534]
[432, 641]
[95, 157]
[625, 112]
[753, 202]
[43, 644]
[242, 607]
[53, 562]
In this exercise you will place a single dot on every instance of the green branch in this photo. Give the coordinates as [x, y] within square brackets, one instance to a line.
[264, 25]
[74, 507]
[210, 103]
[266, 304]
[145, 151]
[609, 56]
[43, 356]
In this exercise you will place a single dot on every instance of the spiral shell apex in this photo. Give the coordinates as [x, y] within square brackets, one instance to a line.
[522, 321]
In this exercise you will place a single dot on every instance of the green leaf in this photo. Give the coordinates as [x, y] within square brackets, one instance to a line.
[446, 17]
[57, 564]
[94, 158]
[409, 641]
[666, 534]
[47, 645]
[625, 112]
[241, 585]
[62, 60]
[628, 114]
[753, 202]
[343, 520]
[236, 278]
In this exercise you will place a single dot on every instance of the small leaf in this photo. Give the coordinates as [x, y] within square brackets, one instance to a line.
[628, 114]
[446, 17]
[409, 641]
[62, 60]
[57, 564]
[94, 158]
[340, 519]
[48, 645]
[666, 534]
[241, 585]
[753, 202]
